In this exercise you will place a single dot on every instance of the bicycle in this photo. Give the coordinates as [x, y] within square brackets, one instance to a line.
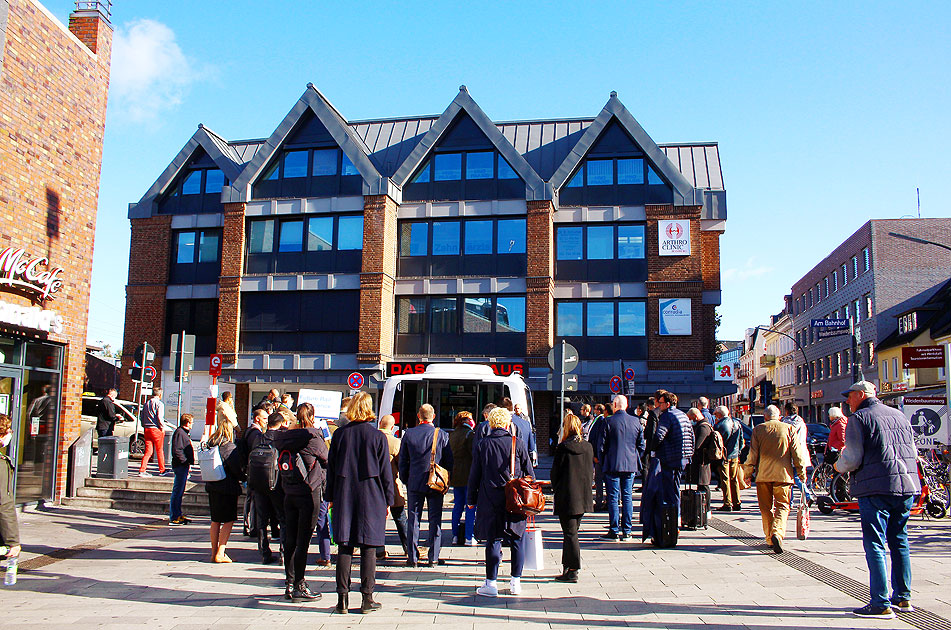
[820, 483]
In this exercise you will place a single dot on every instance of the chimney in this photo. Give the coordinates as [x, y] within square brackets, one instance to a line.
[88, 18]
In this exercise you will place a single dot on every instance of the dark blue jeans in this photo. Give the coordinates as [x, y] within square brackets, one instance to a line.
[619, 488]
[178, 491]
[885, 522]
[493, 556]
[323, 531]
[414, 509]
[458, 506]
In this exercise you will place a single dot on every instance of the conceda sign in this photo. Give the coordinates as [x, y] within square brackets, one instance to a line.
[673, 238]
[19, 269]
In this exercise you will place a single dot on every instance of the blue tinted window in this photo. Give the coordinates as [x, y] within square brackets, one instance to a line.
[479, 165]
[653, 177]
[214, 181]
[445, 238]
[411, 316]
[325, 162]
[347, 167]
[261, 240]
[350, 232]
[569, 244]
[414, 239]
[292, 236]
[630, 241]
[477, 317]
[272, 173]
[506, 171]
[600, 242]
[478, 237]
[320, 234]
[422, 177]
[600, 319]
[630, 171]
[632, 319]
[295, 164]
[578, 180]
[186, 247]
[512, 236]
[600, 172]
[192, 183]
[510, 314]
[443, 312]
[447, 166]
[568, 319]
[207, 247]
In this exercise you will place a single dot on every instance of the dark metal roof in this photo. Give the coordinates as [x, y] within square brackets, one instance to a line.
[933, 308]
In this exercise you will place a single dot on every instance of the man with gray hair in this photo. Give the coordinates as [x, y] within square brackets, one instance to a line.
[732, 434]
[776, 455]
[704, 403]
[620, 459]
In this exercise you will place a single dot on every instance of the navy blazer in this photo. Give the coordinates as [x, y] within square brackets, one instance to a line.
[624, 444]
[416, 450]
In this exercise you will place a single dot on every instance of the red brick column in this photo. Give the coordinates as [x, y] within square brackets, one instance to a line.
[229, 285]
[539, 281]
[377, 280]
[710, 265]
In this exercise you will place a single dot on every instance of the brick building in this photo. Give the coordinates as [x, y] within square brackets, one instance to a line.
[883, 263]
[336, 246]
[53, 85]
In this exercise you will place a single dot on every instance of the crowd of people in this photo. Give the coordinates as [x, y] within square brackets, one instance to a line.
[343, 488]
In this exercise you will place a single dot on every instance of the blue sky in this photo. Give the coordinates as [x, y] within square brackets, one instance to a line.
[826, 114]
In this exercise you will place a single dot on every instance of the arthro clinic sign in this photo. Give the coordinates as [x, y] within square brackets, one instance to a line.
[675, 316]
[673, 238]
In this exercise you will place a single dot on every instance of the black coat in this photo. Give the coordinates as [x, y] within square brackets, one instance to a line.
[313, 450]
[359, 484]
[460, 441]
[700, 462]
[572, 474]
[106, 420]
[487, 477]
[235, 462]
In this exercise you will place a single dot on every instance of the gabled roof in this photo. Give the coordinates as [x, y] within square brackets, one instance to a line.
[933, 307]
[535, 187]
[225, 157]
[684, 192]
[345, 137]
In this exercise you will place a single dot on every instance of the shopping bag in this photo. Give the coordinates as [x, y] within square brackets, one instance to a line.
[212, 466]
[534, 549]
[802, 520]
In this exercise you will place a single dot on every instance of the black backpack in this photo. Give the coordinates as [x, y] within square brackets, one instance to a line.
[263, 469]
[292, 468]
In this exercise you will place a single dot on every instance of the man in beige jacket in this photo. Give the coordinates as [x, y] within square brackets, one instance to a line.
[777, 456]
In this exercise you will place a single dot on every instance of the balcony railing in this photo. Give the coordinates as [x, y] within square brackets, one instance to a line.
[103, 7]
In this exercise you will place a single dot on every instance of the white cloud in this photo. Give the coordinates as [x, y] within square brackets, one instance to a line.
[748, 270]
[150, 73]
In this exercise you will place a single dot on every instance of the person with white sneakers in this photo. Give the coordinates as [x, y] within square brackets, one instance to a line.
[491, 464]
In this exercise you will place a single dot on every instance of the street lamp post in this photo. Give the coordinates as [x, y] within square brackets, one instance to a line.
[804, 358]
[922, 241]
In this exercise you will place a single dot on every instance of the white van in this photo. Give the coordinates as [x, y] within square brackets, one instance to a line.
[451, 388]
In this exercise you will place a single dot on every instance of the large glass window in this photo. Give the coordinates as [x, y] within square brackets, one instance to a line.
[208, 247]
[315, 244]
[295, 164]
[414, 239]
[600, 319]
[195, 257]
[443, 313]
[510, 314]
[292, 236]
[445, 238]
[632, 319]
[325, 162]
[320, 234]
[261, 240]
[411, 315]
[447, 166]
[477, 317]
[600, 172]
[569, 243]
[300, 321]
[478, 237]
[350, 234]
[630, 241]
[615, 181]
[347, 169]
[191, 185]
[309, 173]
[506, 171]
[479, 165]
[214, 181]
[464, 175]
[630, 171]
[511, 236]
[600, 242]
[456, 325]
[569, 319]
[186, 247]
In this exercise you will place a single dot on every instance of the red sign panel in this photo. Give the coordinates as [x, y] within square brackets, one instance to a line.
[399, 368]
[214, 368]
[922, 357]
[817, 394]
[210, 404]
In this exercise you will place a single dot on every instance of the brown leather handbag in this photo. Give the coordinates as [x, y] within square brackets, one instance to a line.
[523, 495]
[438, 480]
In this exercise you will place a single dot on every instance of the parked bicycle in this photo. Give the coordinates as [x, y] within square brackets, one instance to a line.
[820, 483]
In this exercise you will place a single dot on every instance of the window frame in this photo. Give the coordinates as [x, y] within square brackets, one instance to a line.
[305, 260]
[196, 271]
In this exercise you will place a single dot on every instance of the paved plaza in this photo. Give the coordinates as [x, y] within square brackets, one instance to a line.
[113, 569]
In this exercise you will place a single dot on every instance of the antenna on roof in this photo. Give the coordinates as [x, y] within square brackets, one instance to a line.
[463, 88]
[918, 192]
[613, 94]
[201, 126]
[309, 84]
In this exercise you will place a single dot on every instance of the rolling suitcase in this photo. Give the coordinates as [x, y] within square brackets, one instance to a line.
[693, 508]
[669, 528]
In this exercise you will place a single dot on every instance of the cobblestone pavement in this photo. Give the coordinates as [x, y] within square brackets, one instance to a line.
[113, 569]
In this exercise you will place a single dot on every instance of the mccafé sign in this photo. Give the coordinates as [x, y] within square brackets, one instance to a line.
[19, 269]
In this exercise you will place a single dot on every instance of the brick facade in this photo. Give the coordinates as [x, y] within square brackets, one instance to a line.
[376, 333]
[539, 282]
[53, 91]
[229, 286]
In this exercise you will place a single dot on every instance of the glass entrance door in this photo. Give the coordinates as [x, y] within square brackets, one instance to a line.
[36, 457]
[10, 406]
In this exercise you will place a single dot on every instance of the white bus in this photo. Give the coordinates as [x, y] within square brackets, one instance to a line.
[451, 388]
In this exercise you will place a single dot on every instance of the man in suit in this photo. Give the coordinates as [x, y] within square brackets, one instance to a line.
[620, 458]
[416, 455]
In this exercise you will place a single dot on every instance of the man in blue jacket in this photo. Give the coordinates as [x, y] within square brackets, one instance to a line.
[673, 446]
[880, 453]
[416, 456]
[621, 461]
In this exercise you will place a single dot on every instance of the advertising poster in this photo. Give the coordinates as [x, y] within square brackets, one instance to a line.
[673, 238]
[675, 316]
[929, 419]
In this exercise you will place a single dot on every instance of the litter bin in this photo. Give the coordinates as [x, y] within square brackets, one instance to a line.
[167, 448]
[79, 462]
[113, 457]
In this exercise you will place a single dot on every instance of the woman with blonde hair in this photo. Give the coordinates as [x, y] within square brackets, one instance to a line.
[490, 470]
[572, 474]
[223, 494]
[359, 489]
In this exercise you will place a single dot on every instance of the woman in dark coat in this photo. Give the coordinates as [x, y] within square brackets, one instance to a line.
[359, 489]
[490, 470]
[303, 493]
[572, 474]
[223, 494]
[699, 468]
[460, 441]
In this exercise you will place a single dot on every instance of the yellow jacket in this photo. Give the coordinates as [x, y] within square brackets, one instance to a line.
[776, 454]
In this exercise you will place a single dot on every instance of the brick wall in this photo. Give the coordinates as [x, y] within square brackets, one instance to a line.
[229, 285]
[53, 93]
[376, 334]
[540, 284]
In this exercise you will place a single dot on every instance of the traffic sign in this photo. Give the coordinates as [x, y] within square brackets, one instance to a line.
[571, 382]
[615, 384]
[629, 374]
[355, 380]
[571, 357]
[144, 353]
[136, 373]
[214, 364]
[922, 357]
